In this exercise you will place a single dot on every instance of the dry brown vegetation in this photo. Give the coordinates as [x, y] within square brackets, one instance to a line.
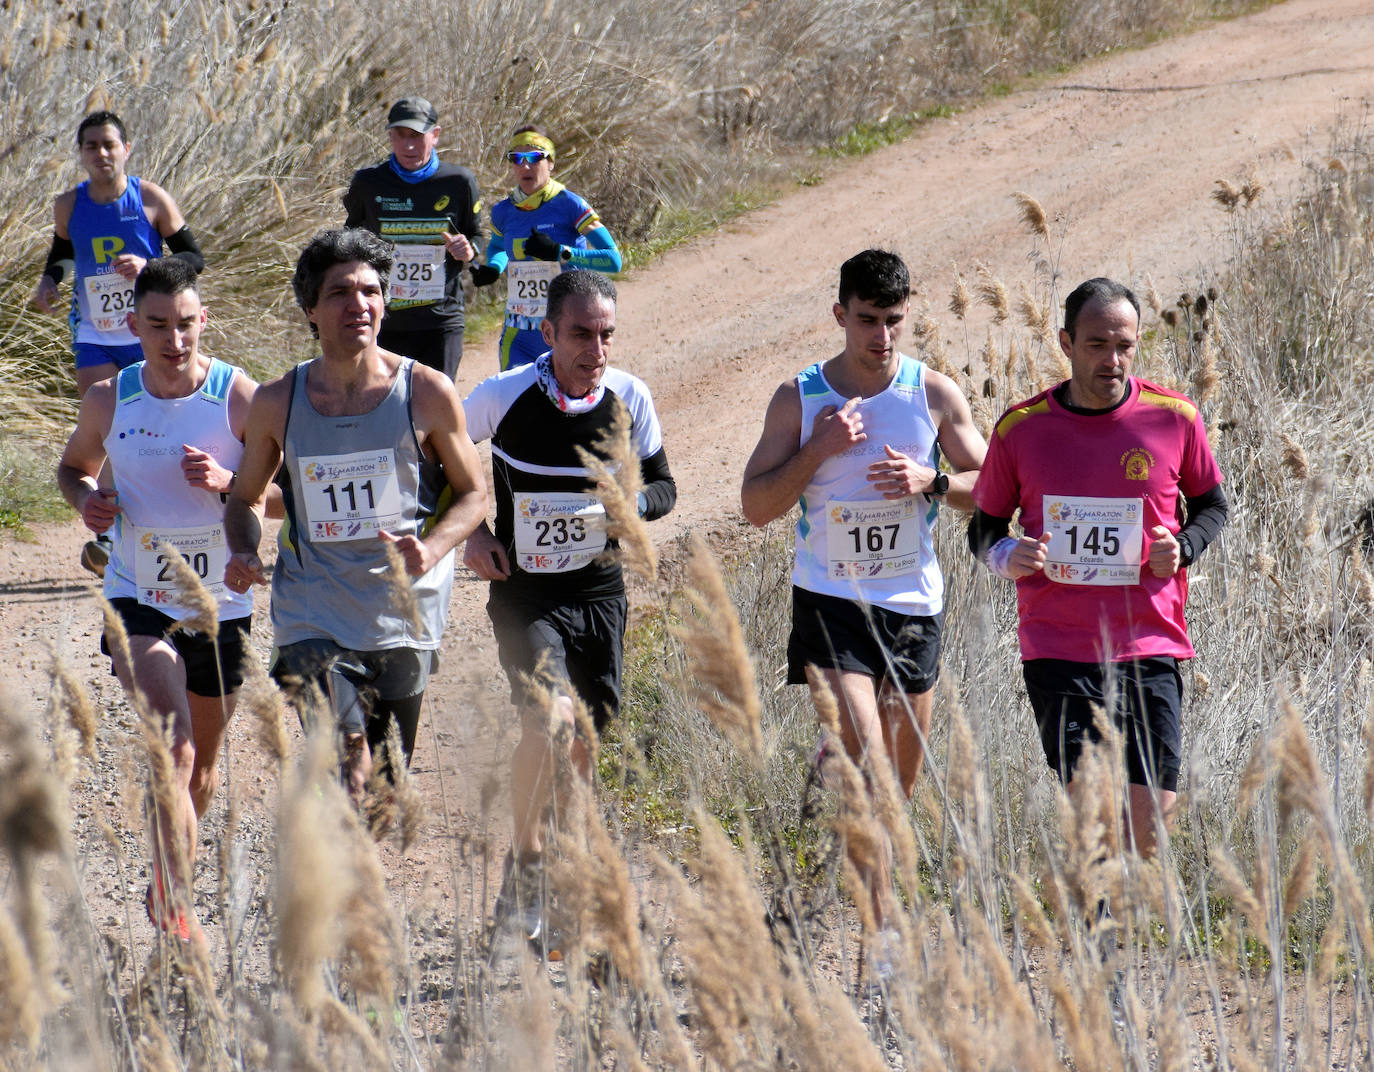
[705, 899]
[700, 889]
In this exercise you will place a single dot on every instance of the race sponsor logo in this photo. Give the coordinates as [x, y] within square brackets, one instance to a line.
[326, 469]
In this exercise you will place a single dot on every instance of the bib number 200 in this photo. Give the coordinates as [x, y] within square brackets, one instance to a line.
[199, 562]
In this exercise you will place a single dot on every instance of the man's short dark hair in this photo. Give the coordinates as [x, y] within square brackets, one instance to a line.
[101, 119]
[165, 275]
[581, 283]
[1098, 289]
[339, 245]
[877, 276]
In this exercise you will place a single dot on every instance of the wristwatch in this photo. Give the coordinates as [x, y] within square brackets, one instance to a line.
[938, 486]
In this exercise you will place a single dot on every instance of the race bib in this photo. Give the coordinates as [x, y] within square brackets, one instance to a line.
[110, 300]
[350, 496]
[203, 549]
[1093, 541]
[558, 531]
[527, 287]
[873, 538]
[418, 274]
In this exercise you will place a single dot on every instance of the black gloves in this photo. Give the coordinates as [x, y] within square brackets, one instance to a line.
[541, 247]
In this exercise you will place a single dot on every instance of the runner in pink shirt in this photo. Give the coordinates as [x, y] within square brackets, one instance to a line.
[1118, 493]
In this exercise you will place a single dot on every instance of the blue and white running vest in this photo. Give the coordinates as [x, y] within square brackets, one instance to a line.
[851, 542]
[157, 505]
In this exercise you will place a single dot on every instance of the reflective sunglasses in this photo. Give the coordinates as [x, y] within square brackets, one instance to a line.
[528, 158]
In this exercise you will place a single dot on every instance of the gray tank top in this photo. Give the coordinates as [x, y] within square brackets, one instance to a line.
[343, 479]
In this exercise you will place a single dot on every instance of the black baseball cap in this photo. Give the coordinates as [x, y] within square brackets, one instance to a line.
[413, 113]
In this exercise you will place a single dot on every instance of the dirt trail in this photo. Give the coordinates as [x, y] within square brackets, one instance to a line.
[1122, 153]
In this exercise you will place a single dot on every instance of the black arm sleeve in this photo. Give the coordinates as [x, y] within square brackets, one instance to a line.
[984, 530]
[61, 259]
[183, 245]
[355, 215]
[1206, 514]
[660, 490]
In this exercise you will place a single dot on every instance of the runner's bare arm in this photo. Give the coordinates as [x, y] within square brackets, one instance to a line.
[241, 396]
[443, 431]
[78, 470]
[781, 466]
[263, 432]
[162, 210]
[960, 440]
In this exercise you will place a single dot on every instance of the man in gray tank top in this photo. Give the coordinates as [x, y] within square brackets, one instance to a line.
[367, 443]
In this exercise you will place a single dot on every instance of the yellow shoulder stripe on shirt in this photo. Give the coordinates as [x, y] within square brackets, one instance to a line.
[1180, 406]
[1014, 417]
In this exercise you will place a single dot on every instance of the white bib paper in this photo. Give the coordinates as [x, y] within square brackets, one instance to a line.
[110, 300]
[350, 496]
[527, 287]
[873, 538]
[1093, 541]
[202, 547]
[418, 274]
[558, 531]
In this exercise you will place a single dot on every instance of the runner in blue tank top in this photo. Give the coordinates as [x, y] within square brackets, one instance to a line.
[540, 230]
[104, 231]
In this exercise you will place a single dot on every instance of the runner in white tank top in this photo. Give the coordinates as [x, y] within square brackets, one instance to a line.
[856, 442]
[172, 428]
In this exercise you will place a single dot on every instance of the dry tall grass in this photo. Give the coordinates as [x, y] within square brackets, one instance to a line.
[700, 891]
[699, 895]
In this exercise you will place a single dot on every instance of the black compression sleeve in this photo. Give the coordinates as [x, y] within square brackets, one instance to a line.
[1206, 514]
[61, 259]
[984, 530]
[183, 245]
[660, 490]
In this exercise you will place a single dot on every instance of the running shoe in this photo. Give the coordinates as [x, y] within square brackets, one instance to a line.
[168, 918]
[95, 555]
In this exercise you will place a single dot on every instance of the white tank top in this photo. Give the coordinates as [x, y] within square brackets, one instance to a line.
[156, 503]
[851, 542]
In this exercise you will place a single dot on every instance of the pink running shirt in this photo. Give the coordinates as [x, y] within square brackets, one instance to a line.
[1131, 466]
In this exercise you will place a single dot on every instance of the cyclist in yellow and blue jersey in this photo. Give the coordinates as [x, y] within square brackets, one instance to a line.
[540, 230]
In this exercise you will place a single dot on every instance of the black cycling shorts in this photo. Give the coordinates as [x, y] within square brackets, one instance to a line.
[212, 668]
[842, 634]
[555, 642]
[1146, 701]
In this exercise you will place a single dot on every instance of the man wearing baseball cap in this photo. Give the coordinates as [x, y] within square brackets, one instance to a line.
[428, 209]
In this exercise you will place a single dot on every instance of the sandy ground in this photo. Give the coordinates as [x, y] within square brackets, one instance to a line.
[1123, 155]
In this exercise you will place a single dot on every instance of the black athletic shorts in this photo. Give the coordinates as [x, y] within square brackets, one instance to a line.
[439, 348]
[1146, 703]
[356, 683]
[212, 669]
[843, 634]
[555, 642]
